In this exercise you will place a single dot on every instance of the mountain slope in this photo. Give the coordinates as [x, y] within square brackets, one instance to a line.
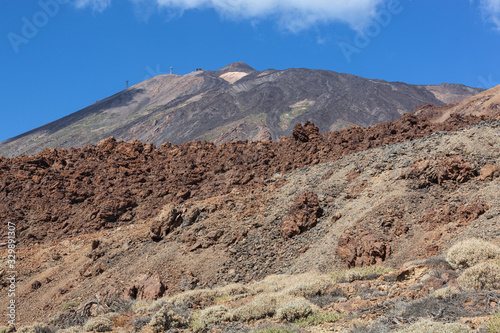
[486, 103]
[234, 103]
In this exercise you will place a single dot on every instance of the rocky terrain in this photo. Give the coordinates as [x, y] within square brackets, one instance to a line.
[234, 103]
[348, 231]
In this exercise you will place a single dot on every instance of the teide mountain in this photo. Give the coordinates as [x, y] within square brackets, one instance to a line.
[236, 102]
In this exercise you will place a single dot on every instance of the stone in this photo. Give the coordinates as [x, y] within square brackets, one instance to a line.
[36, 285]
[303, 215]
[148, 287]
[489, 172]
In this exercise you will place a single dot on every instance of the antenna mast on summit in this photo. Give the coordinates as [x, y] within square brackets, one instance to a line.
[171, 70]
[126, 84]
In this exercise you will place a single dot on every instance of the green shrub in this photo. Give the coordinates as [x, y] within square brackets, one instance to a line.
[471, 252]
[293, 311]
[98, 324]
[485, 275]
[70, 305]
[435, 327]
[318, 318]
[493, 325]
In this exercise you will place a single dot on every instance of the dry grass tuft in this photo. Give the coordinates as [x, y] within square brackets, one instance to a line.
[168, 317]
[485, 275]
[306, 284]
[436, 327]
[361, 273]
[294, 310]
[471, 252]
[37, 328]
[446, 292]
[73, 329]
[260, 307]
[213, 315]
[147, 307]
[98, 324]
[493, 325]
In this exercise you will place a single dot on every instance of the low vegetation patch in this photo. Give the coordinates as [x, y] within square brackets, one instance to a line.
[276, 330]
[210, 316]
[70, 305]
[436, 327]
[482, 276]
[318, 318]
[294, 310]
[169, 317]
[261, 307]
[37, 328]
[493, 325]
[361, 273]
[98, 324]
[446, 292]
[472, 252]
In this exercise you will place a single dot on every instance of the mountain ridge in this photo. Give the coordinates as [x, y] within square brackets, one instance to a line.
[234, 103]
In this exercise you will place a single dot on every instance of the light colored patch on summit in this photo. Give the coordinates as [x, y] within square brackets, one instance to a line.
[232, 77]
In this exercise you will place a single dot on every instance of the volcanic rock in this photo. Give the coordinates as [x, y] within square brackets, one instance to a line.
[302, 216]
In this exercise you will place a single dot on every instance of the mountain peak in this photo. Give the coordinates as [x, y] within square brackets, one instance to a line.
[237, 67]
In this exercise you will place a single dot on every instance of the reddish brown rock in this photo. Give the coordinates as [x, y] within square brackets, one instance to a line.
[440, 169]
[306, 133]
[362, 249]
[302, 216]
[147, 287]
[489, 172]
[112, 209]
[446, 214]
[70, 191]
[165, 223]
[92, 269]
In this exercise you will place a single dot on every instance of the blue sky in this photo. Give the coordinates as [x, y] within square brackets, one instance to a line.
[58, 56]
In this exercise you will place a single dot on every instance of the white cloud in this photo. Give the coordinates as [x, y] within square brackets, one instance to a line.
[96, 5]
[294, 15]
[491, 10]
